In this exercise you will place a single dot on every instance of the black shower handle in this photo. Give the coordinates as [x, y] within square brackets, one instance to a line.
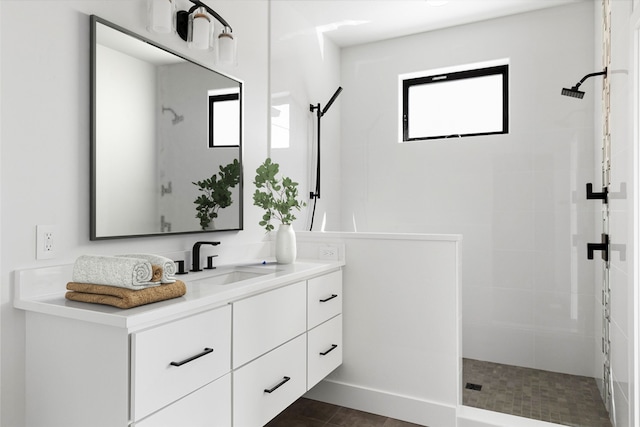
[604, 195]
[603, 246]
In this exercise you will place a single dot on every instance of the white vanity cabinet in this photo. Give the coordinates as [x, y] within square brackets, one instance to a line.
[236, 360]
[206, 407]
[324, 319]
[265, 321]
[172, 360]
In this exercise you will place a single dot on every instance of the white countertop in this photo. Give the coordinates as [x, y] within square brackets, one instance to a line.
[42, 290]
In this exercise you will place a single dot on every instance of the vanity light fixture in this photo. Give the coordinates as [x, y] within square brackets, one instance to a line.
[195, 26]
[160, 16]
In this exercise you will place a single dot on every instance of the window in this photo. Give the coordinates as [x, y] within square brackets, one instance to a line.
[224, 120]
[471, 102]
[280, 120]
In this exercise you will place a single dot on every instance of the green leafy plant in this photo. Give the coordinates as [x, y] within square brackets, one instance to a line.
[216, 193]
[277, 196]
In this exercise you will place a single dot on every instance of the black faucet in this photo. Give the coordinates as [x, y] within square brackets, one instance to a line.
[195, 254]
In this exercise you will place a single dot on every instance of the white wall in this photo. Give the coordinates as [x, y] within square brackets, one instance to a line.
[401, 355]
[45, 143]
[518, 199]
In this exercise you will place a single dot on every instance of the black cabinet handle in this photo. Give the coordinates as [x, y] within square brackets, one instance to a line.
[277, 386]
[192, 358]
[333, 347]
[330, 298]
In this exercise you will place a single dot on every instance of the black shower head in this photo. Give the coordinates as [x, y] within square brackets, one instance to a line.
[573, 92]
[333, 98]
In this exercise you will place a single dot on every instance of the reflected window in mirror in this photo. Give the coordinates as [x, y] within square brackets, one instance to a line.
[224, 119]
[280, 121]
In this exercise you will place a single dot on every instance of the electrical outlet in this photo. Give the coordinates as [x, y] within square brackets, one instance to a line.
[46, 241]
[328, 252]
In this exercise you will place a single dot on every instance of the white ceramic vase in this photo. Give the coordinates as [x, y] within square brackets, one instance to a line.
[286, 244]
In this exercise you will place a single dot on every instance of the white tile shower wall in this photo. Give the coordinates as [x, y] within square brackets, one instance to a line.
[518, 199]
[305, 70]
[621, 211]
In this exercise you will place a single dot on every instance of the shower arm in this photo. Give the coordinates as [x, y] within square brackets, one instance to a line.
[599, 73]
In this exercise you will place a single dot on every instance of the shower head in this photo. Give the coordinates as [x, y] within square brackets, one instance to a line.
[176, 118]
[574, 92]
[333, 98]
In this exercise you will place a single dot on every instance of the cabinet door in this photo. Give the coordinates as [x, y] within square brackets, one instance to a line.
[266, 386]
[263, 322]
[206, 407]
[172, 360]
[325, 298]
[325, 350]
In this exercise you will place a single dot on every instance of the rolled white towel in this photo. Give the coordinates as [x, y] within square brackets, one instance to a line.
[168, 265]
[123, 272]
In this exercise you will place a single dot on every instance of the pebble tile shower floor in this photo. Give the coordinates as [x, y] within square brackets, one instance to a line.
[542, 395]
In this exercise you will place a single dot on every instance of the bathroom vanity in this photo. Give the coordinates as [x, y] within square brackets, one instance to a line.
[244, 343]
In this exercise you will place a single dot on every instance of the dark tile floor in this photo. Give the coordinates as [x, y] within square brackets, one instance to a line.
[312, 413]
[548, 396]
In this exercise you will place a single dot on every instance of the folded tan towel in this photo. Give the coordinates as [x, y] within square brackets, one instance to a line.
[122, 297]
[156, 273]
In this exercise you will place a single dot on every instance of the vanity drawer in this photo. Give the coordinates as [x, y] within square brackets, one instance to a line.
[325, 350]
[208, 406]
[325, 298]
[266, 386]
[263, 322]
[175, 359]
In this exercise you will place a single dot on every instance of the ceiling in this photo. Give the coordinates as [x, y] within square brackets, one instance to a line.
[353, 22]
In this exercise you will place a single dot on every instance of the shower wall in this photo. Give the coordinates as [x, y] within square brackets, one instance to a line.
[517, 199]
[305, 70]
[625, 50]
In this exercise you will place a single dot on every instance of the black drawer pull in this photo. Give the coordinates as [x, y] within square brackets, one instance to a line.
[277, 386]
[192, 358]
[330, 298]
[333, 347]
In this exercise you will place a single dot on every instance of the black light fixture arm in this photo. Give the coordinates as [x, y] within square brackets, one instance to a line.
[599, 73]
[182, 18]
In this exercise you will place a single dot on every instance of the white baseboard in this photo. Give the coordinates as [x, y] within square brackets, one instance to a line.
[413, 410]
[405, 408]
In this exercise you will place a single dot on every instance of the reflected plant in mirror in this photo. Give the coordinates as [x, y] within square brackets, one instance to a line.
[216, 193]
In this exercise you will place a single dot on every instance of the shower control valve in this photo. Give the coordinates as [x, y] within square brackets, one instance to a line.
[604, 195]
[603, 246]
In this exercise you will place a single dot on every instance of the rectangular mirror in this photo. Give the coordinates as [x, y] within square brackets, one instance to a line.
[166, 140]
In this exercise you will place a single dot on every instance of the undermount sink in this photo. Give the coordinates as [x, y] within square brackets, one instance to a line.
[227, 277]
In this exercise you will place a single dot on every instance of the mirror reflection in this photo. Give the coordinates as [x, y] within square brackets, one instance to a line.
[166, 140]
